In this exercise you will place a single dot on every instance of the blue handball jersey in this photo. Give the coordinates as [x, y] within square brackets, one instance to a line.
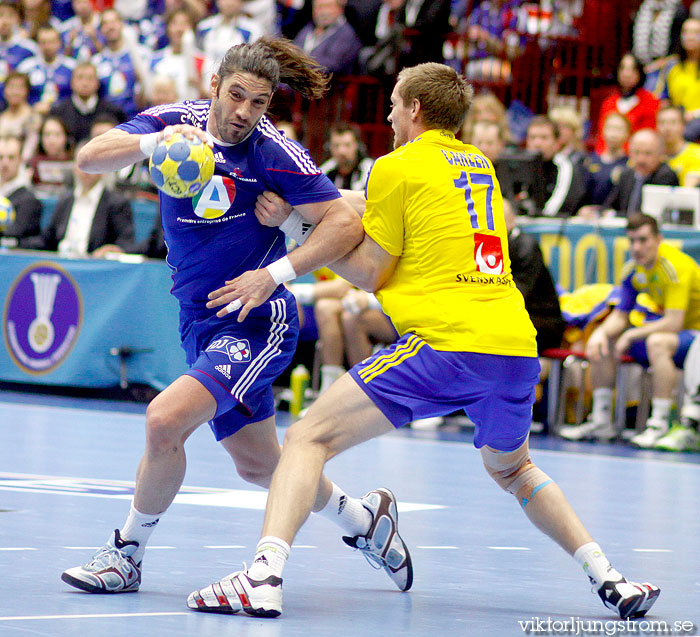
[215, 236]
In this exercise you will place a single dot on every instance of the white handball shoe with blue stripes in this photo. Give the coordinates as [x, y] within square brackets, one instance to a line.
[382, 544]
[111, 569]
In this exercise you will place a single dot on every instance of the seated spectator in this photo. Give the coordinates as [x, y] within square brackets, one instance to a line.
[84, 105]
[36, 13]
[329, 38]
[672, 280]
[89, 219]
[121, 65]
[489, 138]
[427, 22]
[264, 14]
[486, 107]
[14, 185]
[565, 183]
[533, 279]
[604, 169]
[179, 60]
[154, 246]
[493, 39]
[683, 84]
[14, 47]
[80, 34]
[348, 322]
[163, 90]
[19, 118]
[52, 165]
[646, 166]
[682, 156]
[570, 127]
[49, 72]
[349, 164]
[630, 99]
[217, 33]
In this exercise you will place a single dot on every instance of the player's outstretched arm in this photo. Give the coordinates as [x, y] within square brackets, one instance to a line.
[116, 148]
[367, 266]
[338, 229]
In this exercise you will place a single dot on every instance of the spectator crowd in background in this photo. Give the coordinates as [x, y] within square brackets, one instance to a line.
[72, 69]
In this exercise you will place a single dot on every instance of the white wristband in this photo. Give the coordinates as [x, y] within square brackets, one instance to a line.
[282, 271]
[148, 143]
[296, 227]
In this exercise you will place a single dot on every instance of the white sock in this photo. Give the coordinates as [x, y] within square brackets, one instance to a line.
[138, 528]
[595, 564]
[661, 410]
[348, 513]
[329, 374]
[270, 557]
[602, 405]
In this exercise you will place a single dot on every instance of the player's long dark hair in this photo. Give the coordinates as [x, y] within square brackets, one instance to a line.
[277, 60]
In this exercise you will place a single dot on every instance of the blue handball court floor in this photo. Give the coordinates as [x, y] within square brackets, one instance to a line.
[66, 478]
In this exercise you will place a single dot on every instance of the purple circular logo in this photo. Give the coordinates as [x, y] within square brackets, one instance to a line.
[43, 313]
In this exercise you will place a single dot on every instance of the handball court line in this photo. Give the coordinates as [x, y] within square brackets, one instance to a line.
[91, 616]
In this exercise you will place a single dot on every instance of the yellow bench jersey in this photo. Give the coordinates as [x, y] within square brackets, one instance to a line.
[673, 283]
[436, 203]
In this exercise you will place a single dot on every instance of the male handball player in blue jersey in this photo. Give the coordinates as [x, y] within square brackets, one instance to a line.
[212, 239]
[436, 253]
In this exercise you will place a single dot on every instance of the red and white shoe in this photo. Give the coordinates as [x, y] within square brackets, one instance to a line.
[238, 592]
[629, 599]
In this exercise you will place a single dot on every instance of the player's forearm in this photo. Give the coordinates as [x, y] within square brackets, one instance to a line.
[338, 233]
[110, 151]
[356, 199]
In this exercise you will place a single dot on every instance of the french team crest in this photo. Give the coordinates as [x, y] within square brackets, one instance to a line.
[238, 350]
[488, 253]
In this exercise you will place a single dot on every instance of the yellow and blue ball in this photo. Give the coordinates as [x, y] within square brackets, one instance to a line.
[7, 214]
[181, 167]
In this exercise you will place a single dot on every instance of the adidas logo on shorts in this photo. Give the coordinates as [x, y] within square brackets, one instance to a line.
[224, 369]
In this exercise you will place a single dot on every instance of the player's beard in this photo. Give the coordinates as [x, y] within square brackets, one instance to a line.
[221, 131]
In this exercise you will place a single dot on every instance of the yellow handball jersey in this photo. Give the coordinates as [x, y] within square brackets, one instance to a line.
[686, 163]
[673, 283]
[436, 203]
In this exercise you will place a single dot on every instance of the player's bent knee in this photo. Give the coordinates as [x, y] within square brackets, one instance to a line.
[259, 474]
[515, 473]
[308, 432]
[162, 430]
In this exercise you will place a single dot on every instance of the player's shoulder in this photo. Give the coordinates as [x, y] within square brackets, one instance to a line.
[275, 150]
[194, 112]
[673, 262]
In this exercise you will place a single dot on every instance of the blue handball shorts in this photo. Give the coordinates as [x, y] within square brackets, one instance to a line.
[409, 380]
[638, 351]
[238, 362]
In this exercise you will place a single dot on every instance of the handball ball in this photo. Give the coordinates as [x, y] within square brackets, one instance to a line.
[181, 167]
[7, 214]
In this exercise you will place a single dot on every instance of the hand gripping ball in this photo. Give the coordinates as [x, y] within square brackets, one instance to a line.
[181, 167]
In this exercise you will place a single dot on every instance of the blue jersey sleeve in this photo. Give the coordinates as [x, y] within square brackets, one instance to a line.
[628, 294]
[158, 117]
[289, 170]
